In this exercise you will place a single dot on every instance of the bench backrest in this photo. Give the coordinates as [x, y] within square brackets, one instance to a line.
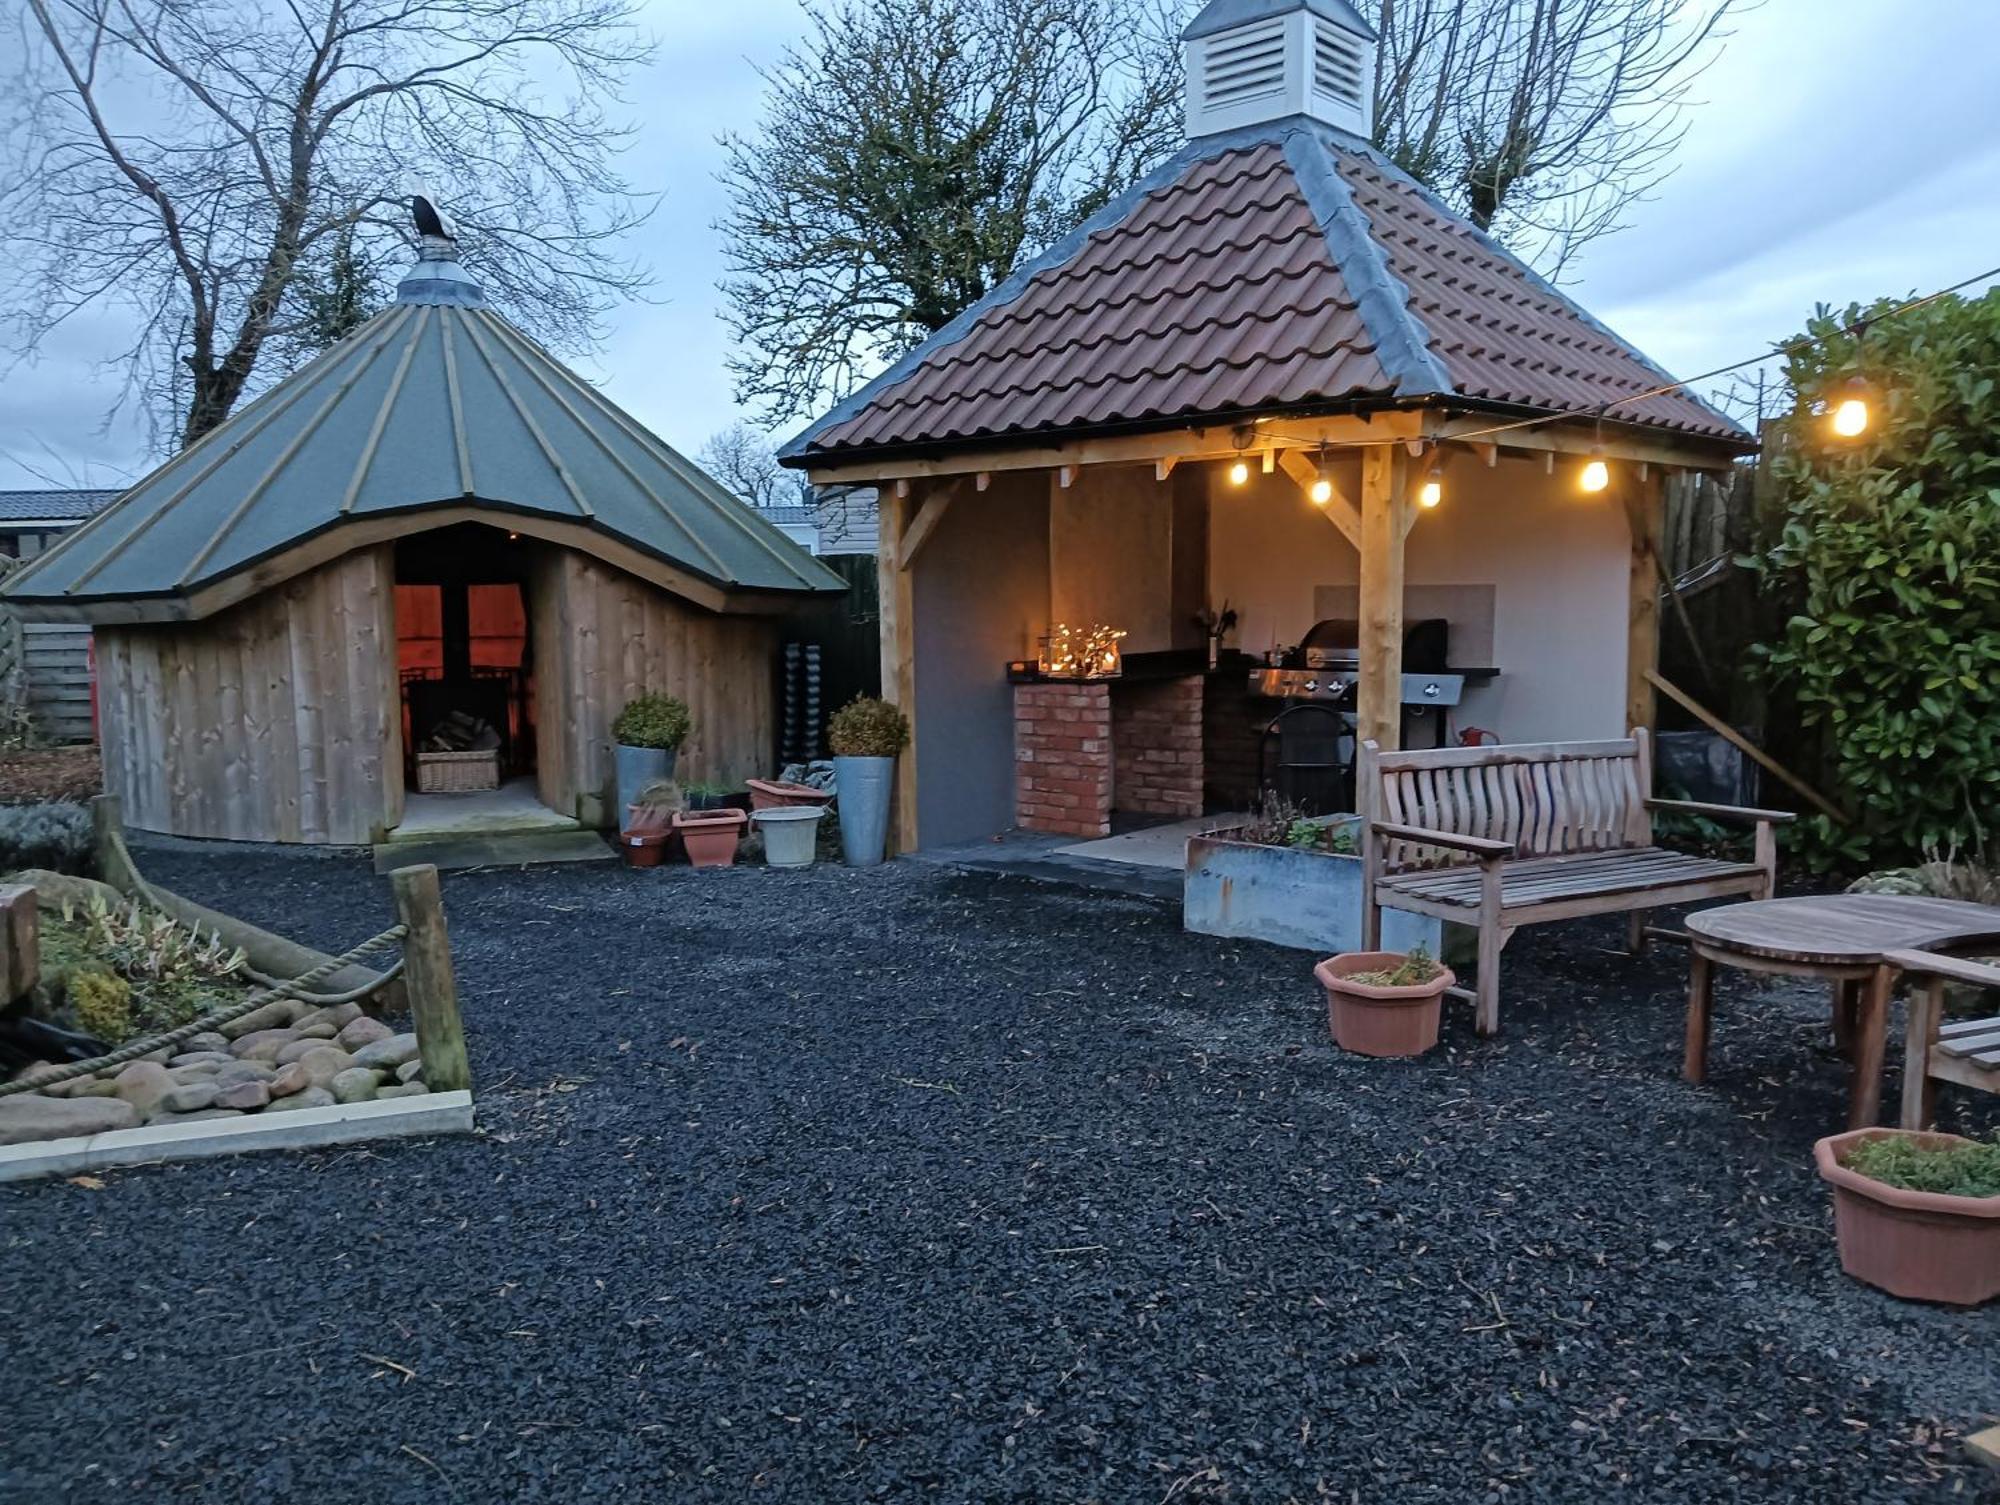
[1544, 799]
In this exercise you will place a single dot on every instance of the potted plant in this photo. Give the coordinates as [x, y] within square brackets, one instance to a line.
[710, 836]
[648, 829]
[1916, 1214]
[866, 734]
[1384, 1003]
[648, 732]
[776, 794]
[710, 796]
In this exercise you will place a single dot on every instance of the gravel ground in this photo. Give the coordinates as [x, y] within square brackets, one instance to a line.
[905, 1185]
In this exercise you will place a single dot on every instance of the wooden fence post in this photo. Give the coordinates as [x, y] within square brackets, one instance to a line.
[428, 978]
[20, 942]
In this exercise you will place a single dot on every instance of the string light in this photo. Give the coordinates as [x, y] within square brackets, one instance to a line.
[1596, 474]
[1238, 473]
[1850, 410]
[1322, 486]
[1433, 491]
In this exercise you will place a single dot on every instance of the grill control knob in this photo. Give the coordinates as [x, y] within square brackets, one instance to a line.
[1432, 690]
[1311, 685]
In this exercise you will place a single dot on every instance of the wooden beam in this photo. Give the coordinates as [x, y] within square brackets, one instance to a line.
[1748, 748]
[1271, 461]
[981, 480]
[923, 524]
[1645, 510]
[1339, 509]
[1064, 475]
[1582, 438]
[1385, 499]
[1164, 467]
[899, 670]
[1212, 443]
[427, 974]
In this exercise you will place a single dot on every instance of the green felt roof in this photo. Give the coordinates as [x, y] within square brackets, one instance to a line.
[437, 401]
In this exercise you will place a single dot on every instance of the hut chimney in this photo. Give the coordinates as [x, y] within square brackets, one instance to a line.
[1250, 61]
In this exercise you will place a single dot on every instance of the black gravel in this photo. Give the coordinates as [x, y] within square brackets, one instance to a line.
[910, 1185]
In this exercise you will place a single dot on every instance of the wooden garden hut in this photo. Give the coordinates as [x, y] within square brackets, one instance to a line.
[1281, 375]
[433, 519]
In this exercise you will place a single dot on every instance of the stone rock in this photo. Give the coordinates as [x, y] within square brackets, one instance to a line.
[33, 1068]
[144, 1084]
[276, 1014]
[208, 1040]
[324, 1064]
[245, 1095]
[28, 1116]
[322, 1029]
[71, 1088]
[357, 1084]
[312, 1097]
[288, 1079]
[408, 1071]
[159, 1057]
[263, 1045]
[190, 1098]
[295, 1050]
[52, 888]
[201, 1072]
[338, 1016]
[197, 1116]
[403, 1089]
[96, 1087]
[201, 1058]
[387, 1054]
[363, 1031]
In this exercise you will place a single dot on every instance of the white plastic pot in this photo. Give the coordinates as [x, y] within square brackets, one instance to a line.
[791, 833]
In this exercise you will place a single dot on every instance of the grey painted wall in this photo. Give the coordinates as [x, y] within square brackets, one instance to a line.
[980, 595]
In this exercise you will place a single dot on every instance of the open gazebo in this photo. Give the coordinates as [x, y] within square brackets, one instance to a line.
[433, 518]
[1243, 382]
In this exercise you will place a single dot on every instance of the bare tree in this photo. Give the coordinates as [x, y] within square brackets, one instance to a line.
[912, 152]
[1540, 120]
[191, 158]
[743, 460]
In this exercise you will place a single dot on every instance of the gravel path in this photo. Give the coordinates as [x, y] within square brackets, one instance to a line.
[910, 1185]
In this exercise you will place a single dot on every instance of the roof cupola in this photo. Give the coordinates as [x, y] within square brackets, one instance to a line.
[1249, 61]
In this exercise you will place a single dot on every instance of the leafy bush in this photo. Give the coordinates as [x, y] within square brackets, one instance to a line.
[54, 836]
[1959, 1170]
[1883, 552]
[102, 1001]
[867, 728]
[655, 720]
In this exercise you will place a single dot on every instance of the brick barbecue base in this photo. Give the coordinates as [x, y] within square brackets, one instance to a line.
[1080, 749]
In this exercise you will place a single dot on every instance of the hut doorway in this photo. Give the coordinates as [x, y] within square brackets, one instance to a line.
[466, 668]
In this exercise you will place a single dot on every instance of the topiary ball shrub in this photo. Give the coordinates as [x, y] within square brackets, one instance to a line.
[868, 728]
[655, 720]
[54, 836]
[102, 1002]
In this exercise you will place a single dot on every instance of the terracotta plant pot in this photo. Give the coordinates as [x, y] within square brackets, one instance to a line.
[1921, 1245]
[644, 848]
[1372, 1021]
[771, 794]
[648, 820]
[710, 836]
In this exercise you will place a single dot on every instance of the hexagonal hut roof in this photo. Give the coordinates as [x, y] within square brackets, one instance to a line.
[437, 405]
[1282, 267]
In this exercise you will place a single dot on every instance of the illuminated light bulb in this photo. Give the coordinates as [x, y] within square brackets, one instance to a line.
[1596, 474]
[1322, 492]
[1238, 473]
[1850, 412]
[1433, 491]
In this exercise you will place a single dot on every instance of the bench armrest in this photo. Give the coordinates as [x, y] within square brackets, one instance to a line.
[1929, 964]
[1485, 849]
[1721, 812]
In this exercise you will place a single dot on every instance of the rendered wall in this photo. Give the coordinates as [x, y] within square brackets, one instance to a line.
[980, 597]
[1558, 563]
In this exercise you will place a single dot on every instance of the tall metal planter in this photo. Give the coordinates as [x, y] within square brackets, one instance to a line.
[638, 767]
[861, 790]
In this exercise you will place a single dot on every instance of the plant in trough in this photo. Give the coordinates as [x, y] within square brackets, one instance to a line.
[1950, 1170]
[868, 728]
[653, 720]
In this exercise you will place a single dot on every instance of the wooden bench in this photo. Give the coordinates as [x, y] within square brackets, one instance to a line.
[1965, 1052]
[1501, 837]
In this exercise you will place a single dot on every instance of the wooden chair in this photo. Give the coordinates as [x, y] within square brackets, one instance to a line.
[1966, 1053]
[1512, 835]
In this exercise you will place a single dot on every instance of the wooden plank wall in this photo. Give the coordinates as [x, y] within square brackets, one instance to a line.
[56, 677]
[272, 721]
[602, 636]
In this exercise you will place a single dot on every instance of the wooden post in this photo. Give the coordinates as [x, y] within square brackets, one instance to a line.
[428, 978]
[1385, 510]
[899, 679]
[1645, 502]
[20, 942]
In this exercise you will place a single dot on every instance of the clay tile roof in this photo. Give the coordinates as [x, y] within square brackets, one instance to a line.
[1276, 268]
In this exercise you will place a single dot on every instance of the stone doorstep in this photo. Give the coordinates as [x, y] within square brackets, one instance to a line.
[302, 1128]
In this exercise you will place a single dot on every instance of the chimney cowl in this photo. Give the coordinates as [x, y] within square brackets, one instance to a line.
[1249, 61]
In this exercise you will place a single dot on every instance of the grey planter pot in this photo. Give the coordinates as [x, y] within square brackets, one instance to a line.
[638, 767]
[861, 794]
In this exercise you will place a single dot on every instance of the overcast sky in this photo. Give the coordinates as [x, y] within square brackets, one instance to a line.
[1840, 149]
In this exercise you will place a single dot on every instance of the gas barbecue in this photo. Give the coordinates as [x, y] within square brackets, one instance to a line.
[1326, 666]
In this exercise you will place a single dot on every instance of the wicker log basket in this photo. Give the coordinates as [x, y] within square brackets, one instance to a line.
[457, 772]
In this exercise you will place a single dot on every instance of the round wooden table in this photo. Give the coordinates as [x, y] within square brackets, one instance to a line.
[1842, 938]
